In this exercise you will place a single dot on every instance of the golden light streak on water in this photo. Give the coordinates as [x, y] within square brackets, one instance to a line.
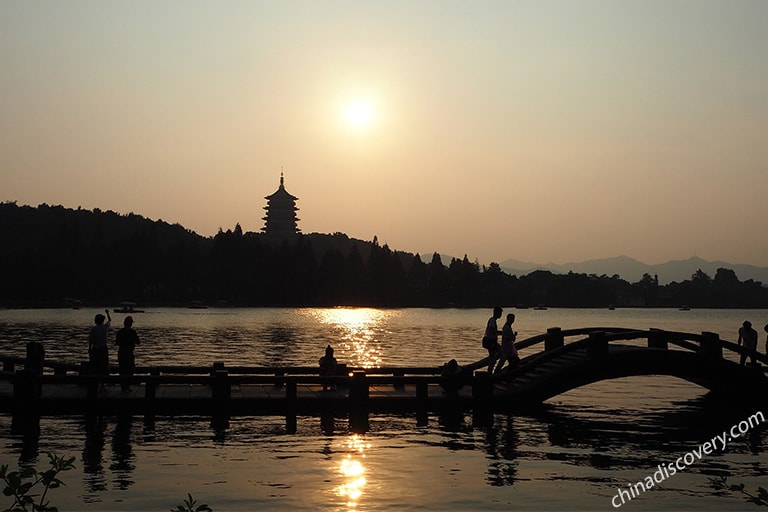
[359, 331]
[353, 471]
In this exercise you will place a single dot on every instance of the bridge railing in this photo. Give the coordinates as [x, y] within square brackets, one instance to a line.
[706, 343]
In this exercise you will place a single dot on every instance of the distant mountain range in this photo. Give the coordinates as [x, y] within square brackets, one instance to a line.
[632, 270]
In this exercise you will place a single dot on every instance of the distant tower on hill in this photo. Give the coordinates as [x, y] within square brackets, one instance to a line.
[281, 212]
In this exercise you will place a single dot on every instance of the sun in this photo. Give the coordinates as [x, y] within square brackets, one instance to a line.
[360, 113]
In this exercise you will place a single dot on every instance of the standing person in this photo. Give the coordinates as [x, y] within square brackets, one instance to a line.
[126, 340]
[508, 349]
[491, 338]
[749, 336]
[97, 345]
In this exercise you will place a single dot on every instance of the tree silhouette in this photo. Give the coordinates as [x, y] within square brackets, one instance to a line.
[52, 255]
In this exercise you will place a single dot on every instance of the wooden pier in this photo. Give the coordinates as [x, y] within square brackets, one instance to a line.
[568, 359]
[232, 390]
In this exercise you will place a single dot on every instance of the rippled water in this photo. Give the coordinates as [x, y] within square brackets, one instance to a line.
[571, 454]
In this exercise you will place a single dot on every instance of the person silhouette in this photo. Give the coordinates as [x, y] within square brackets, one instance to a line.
[328, 366]
[491, 338]
[766, 339]
[98, 352]
[508, 351]
[749, 336]
[126, 340]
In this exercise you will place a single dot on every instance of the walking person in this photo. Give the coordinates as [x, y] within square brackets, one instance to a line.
[491, 338]
[508, 350]
[766, 339]
[126, 340]
[749, 336]
[98, 352]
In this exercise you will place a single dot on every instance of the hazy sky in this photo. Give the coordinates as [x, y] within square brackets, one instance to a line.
[536, 130]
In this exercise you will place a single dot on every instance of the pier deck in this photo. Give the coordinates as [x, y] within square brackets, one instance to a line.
[597, 354]
[236, 394]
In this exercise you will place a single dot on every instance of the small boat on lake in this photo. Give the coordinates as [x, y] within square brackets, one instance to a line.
[127, 307]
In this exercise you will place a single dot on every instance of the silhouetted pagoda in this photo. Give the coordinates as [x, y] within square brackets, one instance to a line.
[281, 212]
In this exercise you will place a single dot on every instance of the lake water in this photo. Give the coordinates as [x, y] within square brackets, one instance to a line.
[574, 453]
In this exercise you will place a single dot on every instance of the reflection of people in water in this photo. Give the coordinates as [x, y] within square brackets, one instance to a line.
[749, 336]
[93, 453]
[123, 459]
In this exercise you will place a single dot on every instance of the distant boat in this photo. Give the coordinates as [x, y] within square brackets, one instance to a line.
[541, 307]
[127, 307]
[74, 303]
[196, 304]
[684, 308]
[611, 307]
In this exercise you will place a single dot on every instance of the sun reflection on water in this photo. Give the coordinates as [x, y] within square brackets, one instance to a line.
[352, 470]
[359, 331]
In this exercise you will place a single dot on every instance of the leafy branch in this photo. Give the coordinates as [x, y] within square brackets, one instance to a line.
[721, 484]
[20, 484]
[190, 505]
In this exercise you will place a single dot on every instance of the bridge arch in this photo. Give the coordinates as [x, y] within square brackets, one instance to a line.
[610, 353]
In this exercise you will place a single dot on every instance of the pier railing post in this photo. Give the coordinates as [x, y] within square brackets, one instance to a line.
[554, 338]
[92, 390]
[222, 387]
[422, 391]
[279, 374]
[598, 343]
[150, 390]
[291, 390]
[34, 365]
[482, 387]
[710, 345]
[397, 380]
[657, 339]
[25, 386]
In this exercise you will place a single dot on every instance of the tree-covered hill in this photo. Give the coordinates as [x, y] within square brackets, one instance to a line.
[52, 255]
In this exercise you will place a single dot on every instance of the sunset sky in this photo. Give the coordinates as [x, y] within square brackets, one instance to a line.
[546, 131]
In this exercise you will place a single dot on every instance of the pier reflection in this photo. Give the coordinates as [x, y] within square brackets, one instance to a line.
[28, 427]
[501, 443]
[121, 463]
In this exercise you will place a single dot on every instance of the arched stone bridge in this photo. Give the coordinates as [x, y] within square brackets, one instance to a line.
[608, 353]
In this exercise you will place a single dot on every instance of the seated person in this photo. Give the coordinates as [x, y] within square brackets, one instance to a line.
[453, 376]
[328, 366]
